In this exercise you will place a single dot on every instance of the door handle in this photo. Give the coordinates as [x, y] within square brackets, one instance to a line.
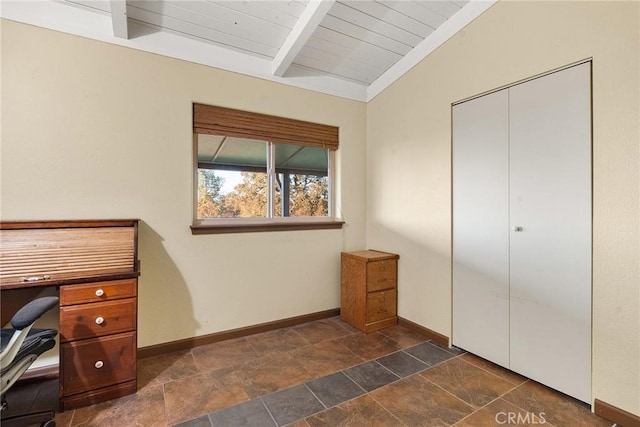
[518, 228]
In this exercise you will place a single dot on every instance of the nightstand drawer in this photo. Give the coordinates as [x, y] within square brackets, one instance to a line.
[98, 291]
[381, 274]
[99, 362]
[97, 319]
[381, 305]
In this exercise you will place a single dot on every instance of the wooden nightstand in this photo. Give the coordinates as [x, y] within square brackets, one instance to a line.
[369, 289]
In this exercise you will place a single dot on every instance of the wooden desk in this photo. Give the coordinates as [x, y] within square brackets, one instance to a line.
[94, 265]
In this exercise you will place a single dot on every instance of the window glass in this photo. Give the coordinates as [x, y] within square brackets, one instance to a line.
[233, 181]
[302, 182]
[232, 177]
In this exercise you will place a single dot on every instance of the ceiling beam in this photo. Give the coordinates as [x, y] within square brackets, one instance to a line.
[300, 34]
[119, 18]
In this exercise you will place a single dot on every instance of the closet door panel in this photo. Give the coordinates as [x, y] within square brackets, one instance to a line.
[480, 232]
[550, 199]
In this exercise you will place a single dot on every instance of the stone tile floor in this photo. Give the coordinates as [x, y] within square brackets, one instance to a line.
[326, 373]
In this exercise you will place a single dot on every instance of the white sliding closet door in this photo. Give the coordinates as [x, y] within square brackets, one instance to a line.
[522, 228]
[481, 234]
[550, 198]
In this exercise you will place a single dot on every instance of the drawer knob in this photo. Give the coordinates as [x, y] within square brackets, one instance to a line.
[99, 292]
[100, 320]
[99, 364]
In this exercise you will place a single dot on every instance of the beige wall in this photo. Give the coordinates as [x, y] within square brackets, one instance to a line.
[91, 130]
[409, 158]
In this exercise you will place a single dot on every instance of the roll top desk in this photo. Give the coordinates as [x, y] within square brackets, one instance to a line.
[94, 265]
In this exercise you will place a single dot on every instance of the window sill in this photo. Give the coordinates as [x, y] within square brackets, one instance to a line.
[253, 228]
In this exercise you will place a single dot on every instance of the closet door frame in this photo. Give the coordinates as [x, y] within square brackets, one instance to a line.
[569, 340]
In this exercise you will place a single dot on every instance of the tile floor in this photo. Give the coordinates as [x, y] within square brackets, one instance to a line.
[326, 373]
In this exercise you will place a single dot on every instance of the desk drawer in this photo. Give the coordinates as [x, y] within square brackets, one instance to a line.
[98, 291]
[97, 319]
[99, 362]
[381, 305]
[381, 275]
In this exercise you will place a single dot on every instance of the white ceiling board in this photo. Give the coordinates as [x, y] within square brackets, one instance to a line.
[96, 25]
[460, 3]
[102, 5]
[372, 24]
[383, 12]
[291, 7]
[265, 10]
[360, 33]
[347, 47]
[359, 47]
[468, 13]
[348, 62]
[445, 9]
[318, 60]
[201, 20]
[229, 20]
[190, 29]
[417, 11]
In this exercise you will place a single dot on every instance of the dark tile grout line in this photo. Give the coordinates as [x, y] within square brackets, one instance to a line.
[264, 404]
[326, 408]
[477, 409]
[203, 370]
[371, 361]
[496, 398]
[387, 410]
[164, 406]
[456, 397]
[316, 396]
[440, 387]
[502, 396]
[526, 380]
[353, 381]
[492, 373]
[366, 393]
[399, 378]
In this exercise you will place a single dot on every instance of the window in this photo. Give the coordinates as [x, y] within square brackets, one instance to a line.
[256, 172]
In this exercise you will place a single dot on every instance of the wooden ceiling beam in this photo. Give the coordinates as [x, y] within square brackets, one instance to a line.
[300, 34]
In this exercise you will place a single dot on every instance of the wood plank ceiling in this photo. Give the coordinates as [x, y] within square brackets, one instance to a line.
[353, 41]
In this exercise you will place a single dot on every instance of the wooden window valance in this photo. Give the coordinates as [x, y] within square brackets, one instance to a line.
[212, 120]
